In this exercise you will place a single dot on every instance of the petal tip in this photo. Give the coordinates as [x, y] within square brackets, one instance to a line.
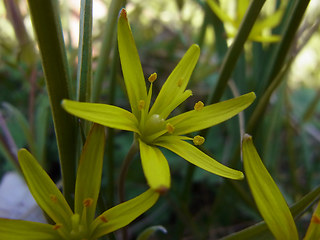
[123, 14]
[162, 189]
[247, 137]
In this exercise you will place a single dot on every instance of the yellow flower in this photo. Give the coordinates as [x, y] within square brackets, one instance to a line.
[152, 125]
[258, 30]
[80, 224]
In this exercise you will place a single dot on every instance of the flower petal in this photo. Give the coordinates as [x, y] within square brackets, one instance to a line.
[104, 114]
[24, 230]
[124, 213]
[176, 83]
[267, 195]
[197, 157]
[44, 190]
[313, 231]
[130, 62]
[89, 173]
[220, 13]
[155, 167]
[208, 116]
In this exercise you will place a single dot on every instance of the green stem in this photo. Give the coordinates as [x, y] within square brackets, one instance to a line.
[124, 169]
[47, 26]
[235, 50]
[106, 46]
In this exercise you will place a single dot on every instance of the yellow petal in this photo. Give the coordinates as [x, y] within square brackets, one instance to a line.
[89, 172]
[197, 157]
[24, 230]
[155, 167]
[104, 114]
[170, 93]
[219, 12]
[130, 62]
[313, 231]
[43, 189]
[123, 214]
[267, 195]
[194, 120]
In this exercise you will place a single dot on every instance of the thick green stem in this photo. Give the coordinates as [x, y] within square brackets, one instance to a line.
[47, 26]
[235, 50]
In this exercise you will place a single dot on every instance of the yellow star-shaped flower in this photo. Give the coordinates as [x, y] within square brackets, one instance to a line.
[151, 123]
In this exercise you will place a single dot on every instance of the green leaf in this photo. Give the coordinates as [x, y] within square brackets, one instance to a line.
[261, 231]
[104, 114]
[47, 26]
[23, 230]
[155, 167]
[44, 190]
[267, 195]
[131, 66]
[124, 213]
[197, 157]
[89, 172]
[149, 231]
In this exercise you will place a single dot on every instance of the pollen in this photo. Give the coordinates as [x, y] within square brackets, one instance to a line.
[170, 128]
[180, 82]
[103, 219]
[152, 77]
[141, 105]
[198, 106]
[87, 202]
[198, 140]
[53, 198]
[57, 226]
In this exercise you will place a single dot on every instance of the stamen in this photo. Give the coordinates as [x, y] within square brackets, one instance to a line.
[152, 77]
[53, 198]
[142, 104]
[198, 106]
[87, 202]
[170, 128]
[57, 226]
[180, 82]
[198, 140]
[103, 218]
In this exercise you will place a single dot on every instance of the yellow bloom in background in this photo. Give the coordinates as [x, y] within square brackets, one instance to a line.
[261, 29]
[151, 123]
[80, 224]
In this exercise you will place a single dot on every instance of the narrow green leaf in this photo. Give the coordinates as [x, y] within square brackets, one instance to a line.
[261, 231]
[44, 190]
[124, 213]
[23, 230]
[89, 172]
[84, 74]
[267, 195]
[47, 26]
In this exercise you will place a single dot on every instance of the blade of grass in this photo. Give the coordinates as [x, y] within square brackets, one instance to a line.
[108, 38]
[47, 26]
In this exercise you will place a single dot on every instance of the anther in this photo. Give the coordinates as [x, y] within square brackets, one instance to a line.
[57, 226]
[53, 198]
[141, 105]
[198, 140]
[152, 77]
[103, 218]
[87, 202]
[198, 106]
[170, 128]
[180, 81]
